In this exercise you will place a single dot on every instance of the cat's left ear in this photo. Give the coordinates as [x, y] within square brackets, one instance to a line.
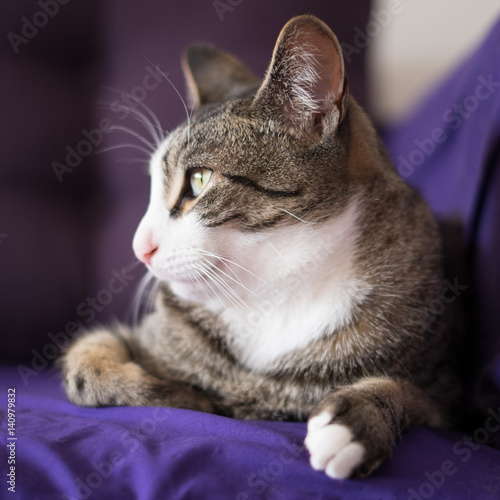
[213, 75]
[306, 82]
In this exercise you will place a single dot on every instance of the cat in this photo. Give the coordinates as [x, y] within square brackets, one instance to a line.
[297, 269]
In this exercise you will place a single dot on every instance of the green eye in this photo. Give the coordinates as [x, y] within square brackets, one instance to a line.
[199, 180]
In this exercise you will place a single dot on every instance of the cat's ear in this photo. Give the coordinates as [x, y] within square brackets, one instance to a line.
[215, 76]
[306, 82]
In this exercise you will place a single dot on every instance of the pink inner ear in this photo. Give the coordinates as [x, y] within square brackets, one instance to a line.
[328, 65]
[330, 70]
[306, 78]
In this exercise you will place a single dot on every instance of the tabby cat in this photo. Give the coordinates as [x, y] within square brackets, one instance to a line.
[296, 267]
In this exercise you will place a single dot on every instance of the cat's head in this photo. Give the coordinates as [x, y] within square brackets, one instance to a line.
[242, 191]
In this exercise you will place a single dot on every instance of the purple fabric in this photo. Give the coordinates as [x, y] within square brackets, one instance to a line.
[450, 150]
[66, 452]
[444, 149]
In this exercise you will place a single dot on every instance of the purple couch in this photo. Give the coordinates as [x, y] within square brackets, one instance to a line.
[66, 240]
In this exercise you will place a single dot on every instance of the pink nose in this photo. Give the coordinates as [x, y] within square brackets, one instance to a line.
[144, 249]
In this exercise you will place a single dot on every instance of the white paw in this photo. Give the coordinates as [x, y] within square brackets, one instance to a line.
[332, 448]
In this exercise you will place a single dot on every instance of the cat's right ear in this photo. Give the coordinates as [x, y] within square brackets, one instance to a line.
[215, 76]
[305, 88]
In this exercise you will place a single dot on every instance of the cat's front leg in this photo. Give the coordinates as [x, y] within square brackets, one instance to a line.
[355, 428]
[98, 371]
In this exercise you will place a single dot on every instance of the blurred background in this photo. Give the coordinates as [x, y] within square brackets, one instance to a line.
[72, 69]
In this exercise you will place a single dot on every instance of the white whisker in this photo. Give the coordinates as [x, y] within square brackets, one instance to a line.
[152, 294]
[143, 161]
[192, 110]
[217, 284]
[139, 117]
[223, 259]
[177, 92]
[298, 218]
[198, 282]
[150, 127]
[156, 125]
[222, 282]
[142, 119]
[139, 301]
[134, 134]
[124, 145]
[237, 281]
[211, 288]
[275, 249]
[237, 278]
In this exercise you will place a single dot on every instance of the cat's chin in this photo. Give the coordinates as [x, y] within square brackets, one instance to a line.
[187, 290]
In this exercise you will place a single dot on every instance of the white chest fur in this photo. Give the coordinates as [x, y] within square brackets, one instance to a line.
[315, 298]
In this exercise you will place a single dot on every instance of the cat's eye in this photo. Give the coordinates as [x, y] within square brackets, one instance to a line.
[199, 180]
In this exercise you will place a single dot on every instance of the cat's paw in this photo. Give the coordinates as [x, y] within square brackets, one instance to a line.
[96, 370]
[349, 435]
[332, 447]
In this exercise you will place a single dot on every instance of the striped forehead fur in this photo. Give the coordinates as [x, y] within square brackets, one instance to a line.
[257, 170]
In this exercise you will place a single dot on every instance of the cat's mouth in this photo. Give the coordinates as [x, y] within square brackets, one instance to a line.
[182, 280]
[188, 287]
[178, 274]
[186, 274]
